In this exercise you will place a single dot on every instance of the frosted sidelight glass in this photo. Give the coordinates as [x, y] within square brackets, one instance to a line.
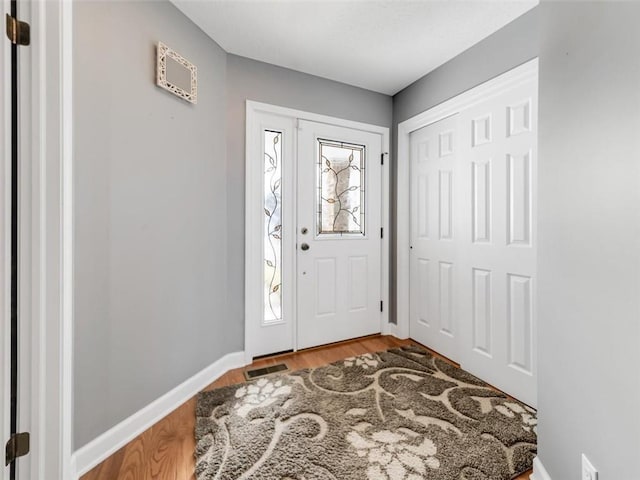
[272, 226]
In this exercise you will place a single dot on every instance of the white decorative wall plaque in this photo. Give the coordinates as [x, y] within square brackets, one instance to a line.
[176, 74]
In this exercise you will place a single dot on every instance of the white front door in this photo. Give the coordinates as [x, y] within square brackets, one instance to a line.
[435, 237]
[338, 233]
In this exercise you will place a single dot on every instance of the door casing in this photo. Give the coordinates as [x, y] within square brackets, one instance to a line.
[45, 236]
[254, 226]
[5, 244]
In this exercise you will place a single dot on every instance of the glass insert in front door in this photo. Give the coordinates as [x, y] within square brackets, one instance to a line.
[341, 188]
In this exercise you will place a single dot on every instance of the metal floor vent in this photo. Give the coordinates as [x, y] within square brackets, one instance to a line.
[264, 371]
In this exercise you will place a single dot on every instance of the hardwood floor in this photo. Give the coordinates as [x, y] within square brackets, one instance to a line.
[165, 451]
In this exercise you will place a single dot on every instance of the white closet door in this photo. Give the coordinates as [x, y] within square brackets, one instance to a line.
[473, 237]
[498, 149]
[435, 237]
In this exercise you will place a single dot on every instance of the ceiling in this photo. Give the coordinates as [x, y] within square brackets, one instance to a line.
[380, 45]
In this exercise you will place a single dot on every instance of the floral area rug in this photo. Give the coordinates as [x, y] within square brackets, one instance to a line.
[402, 414]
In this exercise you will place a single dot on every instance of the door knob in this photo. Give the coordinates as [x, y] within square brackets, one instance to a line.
[304, 247]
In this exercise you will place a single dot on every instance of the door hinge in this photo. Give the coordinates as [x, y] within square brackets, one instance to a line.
[17, 446]
[381, 306]
[381, 232]
[18, 32]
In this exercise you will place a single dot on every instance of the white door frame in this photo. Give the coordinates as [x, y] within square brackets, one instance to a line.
[254, 226]
[447, 108]
[5, 243]
[46, 234]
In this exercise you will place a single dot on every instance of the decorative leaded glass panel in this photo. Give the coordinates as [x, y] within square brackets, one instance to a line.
[341, 200]
[272, 226]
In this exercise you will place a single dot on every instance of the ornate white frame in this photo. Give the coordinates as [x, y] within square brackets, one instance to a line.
[163, 51]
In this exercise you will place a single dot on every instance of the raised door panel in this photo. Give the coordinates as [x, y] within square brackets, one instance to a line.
[445, 204]
[481, 127]
[519, 311]
[481, 311]
[481, 201]
[423, 206]
[519, 199]
[446, 286]
[358, 273]
[519, 117]
[446, 142]
[325, 284]
[423, 292]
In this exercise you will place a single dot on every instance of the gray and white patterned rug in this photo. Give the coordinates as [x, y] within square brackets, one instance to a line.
[402, 414]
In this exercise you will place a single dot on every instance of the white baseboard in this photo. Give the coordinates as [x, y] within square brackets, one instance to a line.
[539, 472]
[248, 357]
[96, 451]
[388, 329]
[395, 330]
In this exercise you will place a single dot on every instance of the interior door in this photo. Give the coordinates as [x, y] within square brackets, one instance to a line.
[473, 237]
[435, 237]
[498, 146]
[338, 233]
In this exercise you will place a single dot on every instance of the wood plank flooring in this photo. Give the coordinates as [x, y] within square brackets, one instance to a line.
[165, 451]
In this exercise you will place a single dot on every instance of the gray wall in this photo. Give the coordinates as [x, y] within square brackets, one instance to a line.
[159, 219]
[513, 45]
[251, 80]
[589, 231]
[151, 213]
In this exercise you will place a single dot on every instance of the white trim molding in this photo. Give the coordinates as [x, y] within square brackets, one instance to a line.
[254, 227]
[5, 243]
[46, 228]
[96, 451]
[539, 472]
[435, 114]
[66, 199]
